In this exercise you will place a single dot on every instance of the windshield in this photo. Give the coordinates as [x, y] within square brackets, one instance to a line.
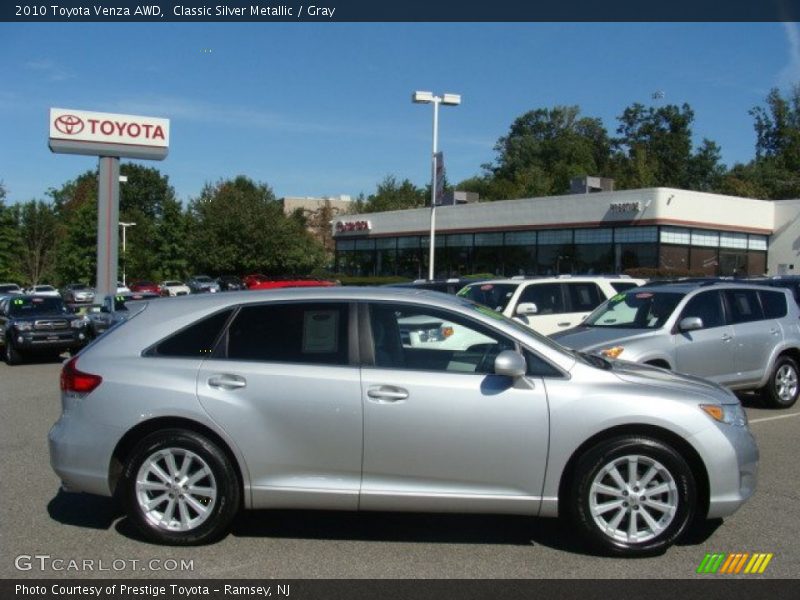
[494, 295]
[637, 309]
[19, 307]
[203, 278]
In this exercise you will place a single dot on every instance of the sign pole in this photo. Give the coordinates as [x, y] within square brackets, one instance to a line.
[107, 230]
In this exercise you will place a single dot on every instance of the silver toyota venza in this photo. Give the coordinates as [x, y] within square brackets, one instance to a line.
[390, 400]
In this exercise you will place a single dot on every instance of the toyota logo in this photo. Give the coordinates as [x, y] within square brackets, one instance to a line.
[69, 124]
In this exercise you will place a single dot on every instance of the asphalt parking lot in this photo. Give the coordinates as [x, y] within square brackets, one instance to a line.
[36, 520]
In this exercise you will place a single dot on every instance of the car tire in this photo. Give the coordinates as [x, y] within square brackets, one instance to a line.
[12, 355]
[783, 386]
[637, 512]
[178, 503]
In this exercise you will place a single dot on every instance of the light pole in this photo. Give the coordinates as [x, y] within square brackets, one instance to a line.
[124, 255]
[448, 100]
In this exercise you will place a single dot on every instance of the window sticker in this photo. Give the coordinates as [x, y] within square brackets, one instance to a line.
[320, 331]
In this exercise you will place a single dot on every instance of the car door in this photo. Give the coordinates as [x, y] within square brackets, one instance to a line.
[582, 298]
[441, 431]
[285, 381]
[755, 335]
[707, 352]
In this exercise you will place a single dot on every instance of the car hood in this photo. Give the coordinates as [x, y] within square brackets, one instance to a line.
[592, 338]
[677, 382]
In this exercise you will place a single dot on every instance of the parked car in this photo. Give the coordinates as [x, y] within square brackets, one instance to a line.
[200, 284]
[173, 287]
[547, 304]
[446, 286]
[291, 281]
[9, 288]
[144, 285]
[230, 283]
[122, 288]
[738, 335]
[78, 293]
[38, 325]
[99, 318]
[310, 398]
[253, 278]
[43, 290]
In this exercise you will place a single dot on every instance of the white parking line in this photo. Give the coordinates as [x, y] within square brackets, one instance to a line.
[751, 421]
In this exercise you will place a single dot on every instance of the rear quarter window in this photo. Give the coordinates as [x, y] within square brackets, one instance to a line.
[744, 305]
[196, 340]
[774, 304]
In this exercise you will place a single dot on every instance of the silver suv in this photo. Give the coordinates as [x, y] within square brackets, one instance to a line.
[739, 335]
[330, 398]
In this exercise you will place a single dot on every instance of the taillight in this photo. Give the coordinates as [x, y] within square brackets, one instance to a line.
[73, 380]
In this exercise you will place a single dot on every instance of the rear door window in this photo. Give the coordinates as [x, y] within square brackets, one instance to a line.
[744, 305]
[305, 333]
[584, 297]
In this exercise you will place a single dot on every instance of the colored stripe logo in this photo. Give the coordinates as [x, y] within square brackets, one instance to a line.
[735, 563]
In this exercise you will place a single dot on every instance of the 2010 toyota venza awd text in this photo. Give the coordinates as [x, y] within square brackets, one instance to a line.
[391, 400]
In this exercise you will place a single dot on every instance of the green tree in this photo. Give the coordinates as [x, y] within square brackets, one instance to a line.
[38, 233]
[391, 195]
[542, 151]
[238, 226]
[655, 149]
[776, 167]
[76, 251]
[9, 240]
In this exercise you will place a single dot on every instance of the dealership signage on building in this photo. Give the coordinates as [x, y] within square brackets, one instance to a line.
[107, 134]
[352, 226]
[625, 207]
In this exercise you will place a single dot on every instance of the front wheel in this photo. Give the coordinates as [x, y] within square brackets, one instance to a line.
[632, 496]
[782, 389]
[13, 356]
[180, 488]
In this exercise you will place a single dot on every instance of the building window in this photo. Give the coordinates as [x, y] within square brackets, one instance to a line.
[704, 260]
[627, 235]
[709, 239]
[675, 235]
[489, 239]
[757, 242]
[555, 237]
[593, 236]
[674, 257]
[733, 240]
[520, 238]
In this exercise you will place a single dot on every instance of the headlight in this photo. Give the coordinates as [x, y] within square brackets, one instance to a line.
[76, 323]
[437, 334]
[612, 352]
[23, 326]
[730, 414]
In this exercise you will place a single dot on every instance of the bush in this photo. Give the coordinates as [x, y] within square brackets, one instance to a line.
[662, 273]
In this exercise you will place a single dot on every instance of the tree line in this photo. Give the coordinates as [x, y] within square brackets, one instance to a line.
[238, 226]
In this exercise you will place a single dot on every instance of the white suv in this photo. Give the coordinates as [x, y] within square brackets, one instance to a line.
[548, 304]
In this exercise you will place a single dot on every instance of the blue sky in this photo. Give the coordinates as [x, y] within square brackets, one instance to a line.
[325, 109]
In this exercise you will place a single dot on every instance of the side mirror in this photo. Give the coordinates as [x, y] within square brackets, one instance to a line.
[690, 324]
[510, 363]
[527, 309]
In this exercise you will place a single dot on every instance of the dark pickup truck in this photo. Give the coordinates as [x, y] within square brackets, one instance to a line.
[38, 325]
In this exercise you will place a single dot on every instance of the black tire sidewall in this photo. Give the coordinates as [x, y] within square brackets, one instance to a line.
[599, 456]
[228, 499]
[775, 400]
[13, 356]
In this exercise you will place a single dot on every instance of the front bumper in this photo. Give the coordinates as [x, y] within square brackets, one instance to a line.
[38, 341]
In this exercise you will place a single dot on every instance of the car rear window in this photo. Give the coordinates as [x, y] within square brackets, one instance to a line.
[196, 340]
[774, 304]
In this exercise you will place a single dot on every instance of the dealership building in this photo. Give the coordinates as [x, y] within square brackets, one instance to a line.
[579, 233]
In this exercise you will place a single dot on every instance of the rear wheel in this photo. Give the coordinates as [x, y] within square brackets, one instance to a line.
[783, 388]
[632, 496]
[180, 488]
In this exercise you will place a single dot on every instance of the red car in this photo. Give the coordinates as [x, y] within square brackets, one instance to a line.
[145, 286]
[267, 283]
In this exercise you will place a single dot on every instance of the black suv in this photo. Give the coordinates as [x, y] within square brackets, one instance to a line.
[38, 325]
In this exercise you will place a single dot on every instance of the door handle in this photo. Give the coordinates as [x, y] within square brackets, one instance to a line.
[564, 324]
[227, 382]
[387, 393]
[774, 331]
[726, 337]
